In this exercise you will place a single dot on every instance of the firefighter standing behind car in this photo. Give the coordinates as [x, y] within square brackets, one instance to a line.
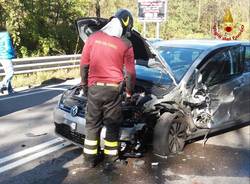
[104, 57]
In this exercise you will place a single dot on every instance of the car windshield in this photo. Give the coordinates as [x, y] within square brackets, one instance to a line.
[179, 59]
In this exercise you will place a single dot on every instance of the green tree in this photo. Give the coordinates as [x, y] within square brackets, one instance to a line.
[41, 28]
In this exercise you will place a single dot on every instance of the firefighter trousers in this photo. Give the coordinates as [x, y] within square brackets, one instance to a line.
[103, 109]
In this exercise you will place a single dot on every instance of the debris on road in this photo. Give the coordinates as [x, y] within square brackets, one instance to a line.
[77, 170]
[30, 134]
[138, 164]
[154, 164]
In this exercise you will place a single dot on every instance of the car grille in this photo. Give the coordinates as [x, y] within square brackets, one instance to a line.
[66, 132]
[65, 108]
[80, 113]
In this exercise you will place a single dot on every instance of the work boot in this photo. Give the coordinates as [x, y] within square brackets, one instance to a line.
[111, 163]
[10, 89]
[89, 161]
[11, 92]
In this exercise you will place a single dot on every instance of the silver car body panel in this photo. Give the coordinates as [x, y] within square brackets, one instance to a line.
[63, 117]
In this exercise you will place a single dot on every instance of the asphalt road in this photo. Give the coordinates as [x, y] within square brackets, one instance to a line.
[30, 152]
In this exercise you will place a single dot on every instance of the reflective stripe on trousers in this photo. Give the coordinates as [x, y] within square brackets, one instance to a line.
[111, 148]
[90, 147]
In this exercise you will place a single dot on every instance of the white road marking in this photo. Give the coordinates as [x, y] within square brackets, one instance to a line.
[30, 150]
[56, 89]
[33, 157]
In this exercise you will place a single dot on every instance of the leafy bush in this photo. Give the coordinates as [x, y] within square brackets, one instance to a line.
[41, 28]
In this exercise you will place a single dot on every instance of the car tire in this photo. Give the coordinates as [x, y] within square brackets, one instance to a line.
[169, 134]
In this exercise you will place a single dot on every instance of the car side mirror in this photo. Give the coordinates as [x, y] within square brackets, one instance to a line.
[152, 63]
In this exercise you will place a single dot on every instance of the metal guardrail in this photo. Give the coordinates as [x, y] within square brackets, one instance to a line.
[39, 64]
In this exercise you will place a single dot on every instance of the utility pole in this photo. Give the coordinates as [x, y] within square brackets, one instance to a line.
[98, 8]
[157, 30]
[199, 14]
[144, 29]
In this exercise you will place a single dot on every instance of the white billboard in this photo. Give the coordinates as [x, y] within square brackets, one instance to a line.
[152, 10]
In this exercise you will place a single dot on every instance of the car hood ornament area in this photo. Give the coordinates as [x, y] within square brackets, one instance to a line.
[74, 111]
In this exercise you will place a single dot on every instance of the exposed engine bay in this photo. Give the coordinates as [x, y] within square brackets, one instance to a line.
[134, 128]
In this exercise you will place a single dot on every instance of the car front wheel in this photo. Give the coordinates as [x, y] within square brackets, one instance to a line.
[169, 134]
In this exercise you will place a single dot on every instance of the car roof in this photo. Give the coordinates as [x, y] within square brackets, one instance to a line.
[198, 44]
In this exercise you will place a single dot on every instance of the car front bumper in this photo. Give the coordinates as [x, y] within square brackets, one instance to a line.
[69, 127]
[72, 128]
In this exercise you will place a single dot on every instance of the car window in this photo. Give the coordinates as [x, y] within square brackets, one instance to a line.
[247, 59]
[220, 66]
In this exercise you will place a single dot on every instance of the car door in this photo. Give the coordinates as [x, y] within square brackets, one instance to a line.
[241, 105]
[221, 74]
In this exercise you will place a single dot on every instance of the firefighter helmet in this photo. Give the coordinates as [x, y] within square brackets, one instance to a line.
[126, 20]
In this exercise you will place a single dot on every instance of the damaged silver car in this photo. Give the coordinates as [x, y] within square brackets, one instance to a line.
[184, 89]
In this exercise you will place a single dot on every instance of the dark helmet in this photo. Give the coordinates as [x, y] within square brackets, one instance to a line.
[126, 20]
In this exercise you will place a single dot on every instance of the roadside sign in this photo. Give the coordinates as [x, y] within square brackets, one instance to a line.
[152, 10]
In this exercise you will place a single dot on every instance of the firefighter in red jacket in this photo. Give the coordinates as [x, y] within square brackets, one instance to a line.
[106, 56]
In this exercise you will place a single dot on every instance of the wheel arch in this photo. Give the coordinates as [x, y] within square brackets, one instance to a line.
[161, 130]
